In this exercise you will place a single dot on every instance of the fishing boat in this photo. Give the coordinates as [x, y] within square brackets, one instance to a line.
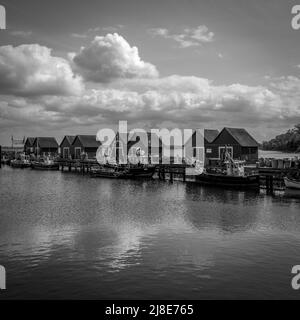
[292, 183]
[45, 164]
[22, 162]
[142, 171]
[233, 176]
[110, 172]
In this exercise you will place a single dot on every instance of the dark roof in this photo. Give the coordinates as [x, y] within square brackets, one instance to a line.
[69, 138]
[88, 141]
[210, 135]
[30, 140]
[47, 142]
[242, 137]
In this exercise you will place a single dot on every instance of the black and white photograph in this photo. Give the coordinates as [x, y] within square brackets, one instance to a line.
[150, 151]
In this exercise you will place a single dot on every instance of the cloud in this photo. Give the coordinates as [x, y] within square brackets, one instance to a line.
[32, 70]
[109, 58]
[38, 90]
[190, 37]
[188, 102]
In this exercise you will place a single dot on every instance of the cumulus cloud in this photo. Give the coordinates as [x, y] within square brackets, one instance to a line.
[32, 70]
[181, 101]
[37, 89]
[190, 37]
[109, 58]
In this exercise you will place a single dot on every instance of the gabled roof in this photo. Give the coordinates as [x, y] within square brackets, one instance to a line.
[69, 138]
[30, 141]
[46, 142]
[88, 141]
[242, 137]
[210, 135]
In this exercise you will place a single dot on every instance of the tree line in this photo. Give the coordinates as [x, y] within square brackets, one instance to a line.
[288, 142]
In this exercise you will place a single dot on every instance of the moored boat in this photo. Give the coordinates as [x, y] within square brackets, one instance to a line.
[292, 183]
[233, 177]
[223, 180]
[110, 172]
[46, 164]
[142, 171]
[22, 162]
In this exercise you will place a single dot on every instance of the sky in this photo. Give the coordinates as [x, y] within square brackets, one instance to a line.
[73, 67]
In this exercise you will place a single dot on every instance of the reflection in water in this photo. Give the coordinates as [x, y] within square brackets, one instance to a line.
[68, 236]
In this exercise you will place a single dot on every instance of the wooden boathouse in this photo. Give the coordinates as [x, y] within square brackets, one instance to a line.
[240, 144]
[43, 146]
[85, 146]
[66, 147]
[28, 145]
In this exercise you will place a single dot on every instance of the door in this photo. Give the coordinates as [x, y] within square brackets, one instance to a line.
[77, 153]
[66, 153]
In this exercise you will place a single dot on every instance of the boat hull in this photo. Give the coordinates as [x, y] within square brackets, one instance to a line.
[143, 172]
[251, 181]
[46, 167]
[110, 174]
[20, 165]
[291, 183]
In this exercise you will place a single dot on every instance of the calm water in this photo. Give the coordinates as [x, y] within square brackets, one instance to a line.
[69, 236]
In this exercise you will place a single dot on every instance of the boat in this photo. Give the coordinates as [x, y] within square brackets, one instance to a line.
[22, 162]
[292, 183]
[233, 176]
[45, 164]
[134, 170]
[223, 180]
[110, 172]
[142, 171]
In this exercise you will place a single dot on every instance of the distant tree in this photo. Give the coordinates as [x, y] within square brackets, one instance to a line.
[289, 141]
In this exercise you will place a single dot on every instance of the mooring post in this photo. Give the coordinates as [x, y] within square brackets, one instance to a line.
[171, 175]
[267, 183]
[271, 184]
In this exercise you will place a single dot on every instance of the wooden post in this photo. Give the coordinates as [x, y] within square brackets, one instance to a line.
[171, 175]
[271, 184]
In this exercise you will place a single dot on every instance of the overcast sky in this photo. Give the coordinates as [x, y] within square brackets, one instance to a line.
[71, 66]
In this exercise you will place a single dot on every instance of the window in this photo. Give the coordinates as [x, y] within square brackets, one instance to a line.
[66, 153]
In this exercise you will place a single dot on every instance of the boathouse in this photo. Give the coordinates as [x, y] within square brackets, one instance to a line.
[240, 144]
[137, 150]
[66, 147]
[28, 146]
[44, 146]
[85, 146]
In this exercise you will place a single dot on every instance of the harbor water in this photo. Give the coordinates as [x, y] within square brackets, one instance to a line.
[64, 235]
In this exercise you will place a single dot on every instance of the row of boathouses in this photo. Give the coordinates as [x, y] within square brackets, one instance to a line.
[238, 142]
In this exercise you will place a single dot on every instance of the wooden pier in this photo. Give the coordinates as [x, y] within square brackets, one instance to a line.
[271, 179]
[79, 166]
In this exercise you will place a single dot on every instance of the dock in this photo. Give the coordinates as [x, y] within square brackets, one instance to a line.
[271, 179]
